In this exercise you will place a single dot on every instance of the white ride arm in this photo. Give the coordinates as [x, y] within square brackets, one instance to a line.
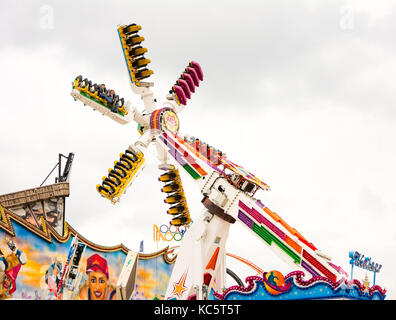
[146, 95]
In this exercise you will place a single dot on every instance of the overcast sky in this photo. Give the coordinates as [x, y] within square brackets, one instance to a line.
[302, 95]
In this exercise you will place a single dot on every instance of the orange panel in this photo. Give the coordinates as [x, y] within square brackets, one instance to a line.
[290, 229]
[272, 214]
[293, 231]
[213, 260]
[293, 244]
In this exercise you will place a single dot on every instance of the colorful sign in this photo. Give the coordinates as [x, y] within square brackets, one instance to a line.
[168, 233]
[358, 259]
[274, 282]
[170, 121]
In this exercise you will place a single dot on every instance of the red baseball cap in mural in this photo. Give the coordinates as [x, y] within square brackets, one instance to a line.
[96, 263]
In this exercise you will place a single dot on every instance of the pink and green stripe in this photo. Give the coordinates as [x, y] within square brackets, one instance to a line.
[180, 159]
[263, 232]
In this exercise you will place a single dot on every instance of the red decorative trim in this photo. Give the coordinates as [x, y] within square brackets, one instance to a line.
[251, 286]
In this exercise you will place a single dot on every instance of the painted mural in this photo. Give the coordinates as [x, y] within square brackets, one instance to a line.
[51, 210]
[33, 258]
[153, 275]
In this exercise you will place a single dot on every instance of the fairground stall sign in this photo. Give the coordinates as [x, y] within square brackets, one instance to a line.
[359, 260]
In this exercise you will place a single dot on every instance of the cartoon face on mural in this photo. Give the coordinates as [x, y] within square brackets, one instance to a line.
[97, 287]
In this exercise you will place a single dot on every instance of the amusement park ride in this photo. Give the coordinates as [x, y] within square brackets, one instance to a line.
[227, 189]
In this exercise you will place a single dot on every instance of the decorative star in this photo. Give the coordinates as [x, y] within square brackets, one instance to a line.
[179, 287]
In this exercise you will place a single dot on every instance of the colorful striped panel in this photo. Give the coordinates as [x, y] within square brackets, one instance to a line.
[178, 157]
[267, 236]
[309, 244]
[293, 231]
[319, 266]
[192, 150]
[260, 219]
[274, 229]
[293, 244]
[307, 267]
[305, 241]
[192, 172]
[264, 234]
[173, 152]
[155, 119]
[257, 217]
[245, 219]
[186, 155]
[277, 231]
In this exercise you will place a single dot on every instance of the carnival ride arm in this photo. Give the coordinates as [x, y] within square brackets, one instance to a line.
[285, 241]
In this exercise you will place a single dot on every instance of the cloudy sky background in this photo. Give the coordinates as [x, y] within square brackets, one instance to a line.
[302, 95]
